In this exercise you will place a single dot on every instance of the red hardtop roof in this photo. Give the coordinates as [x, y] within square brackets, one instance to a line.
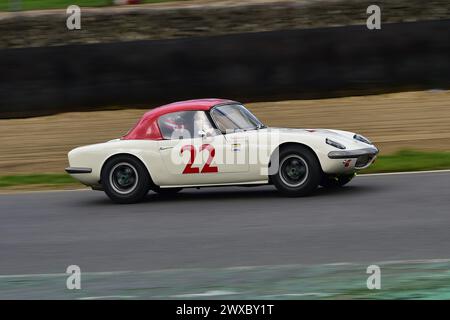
[147, 127]
[196, 104]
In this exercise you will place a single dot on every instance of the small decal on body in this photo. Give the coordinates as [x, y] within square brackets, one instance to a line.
[236, 147]
[347, 163]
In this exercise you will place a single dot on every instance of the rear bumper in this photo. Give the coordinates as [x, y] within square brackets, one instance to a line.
[77, 170]
[349, 154]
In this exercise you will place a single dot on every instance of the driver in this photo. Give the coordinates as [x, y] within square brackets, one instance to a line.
[173, 126]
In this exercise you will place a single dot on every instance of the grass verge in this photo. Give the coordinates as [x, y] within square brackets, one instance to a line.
[53, 179]
[409, 160]
[406, 160]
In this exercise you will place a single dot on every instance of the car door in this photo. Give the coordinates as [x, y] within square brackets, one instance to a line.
[232, 152]
[178, 149]
[194, 153]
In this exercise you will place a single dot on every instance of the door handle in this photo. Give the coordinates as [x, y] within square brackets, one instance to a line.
[165, 148]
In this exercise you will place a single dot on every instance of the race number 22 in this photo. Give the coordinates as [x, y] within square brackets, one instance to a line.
[207, 168]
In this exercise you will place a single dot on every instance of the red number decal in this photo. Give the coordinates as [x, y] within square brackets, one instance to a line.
[189, 169]
[207, 168]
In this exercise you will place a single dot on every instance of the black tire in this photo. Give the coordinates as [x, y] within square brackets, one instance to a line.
[298, 173]
[166, 191]
[336, 181]
[125, 179]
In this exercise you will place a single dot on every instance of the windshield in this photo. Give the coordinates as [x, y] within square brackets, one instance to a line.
[233, 117]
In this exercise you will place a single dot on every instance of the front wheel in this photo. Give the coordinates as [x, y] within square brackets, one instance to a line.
[298, 172]
[125, 179]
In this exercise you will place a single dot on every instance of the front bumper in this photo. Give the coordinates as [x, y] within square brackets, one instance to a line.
[348, 154]
[78, 170]
[364, 157]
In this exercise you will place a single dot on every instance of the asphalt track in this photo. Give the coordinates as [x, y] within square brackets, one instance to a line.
[375, 218]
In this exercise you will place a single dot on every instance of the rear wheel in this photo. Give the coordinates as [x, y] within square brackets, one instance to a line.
[336, 181]
[125, 179]
[298, 171]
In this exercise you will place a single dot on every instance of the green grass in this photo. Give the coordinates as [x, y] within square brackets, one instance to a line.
[35, 179]
[406, 160]
[7, 5]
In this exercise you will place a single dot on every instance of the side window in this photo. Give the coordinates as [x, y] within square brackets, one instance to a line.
[223, 122]
[184, 125]
[202, 123]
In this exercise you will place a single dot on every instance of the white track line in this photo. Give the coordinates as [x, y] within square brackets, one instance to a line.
[403, 172]
[359, 175]
[236, 268]
[6, 192]
[53, 275]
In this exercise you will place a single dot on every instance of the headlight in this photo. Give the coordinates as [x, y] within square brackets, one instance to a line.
[334, 144]
[361, 138]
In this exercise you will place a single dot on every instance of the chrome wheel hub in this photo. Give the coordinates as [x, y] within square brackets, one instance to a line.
[123, 178]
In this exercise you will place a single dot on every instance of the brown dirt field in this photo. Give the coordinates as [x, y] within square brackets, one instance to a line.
[414, 120]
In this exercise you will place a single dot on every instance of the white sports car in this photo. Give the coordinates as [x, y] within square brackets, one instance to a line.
[216, 142]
